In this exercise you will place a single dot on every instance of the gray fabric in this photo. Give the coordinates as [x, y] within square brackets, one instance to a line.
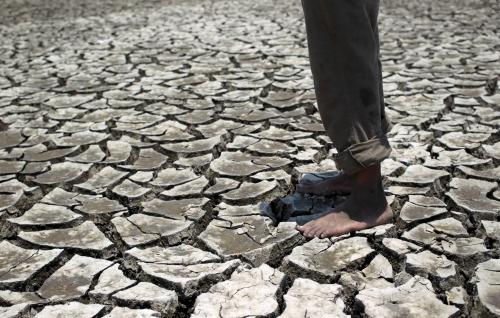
[343, 46]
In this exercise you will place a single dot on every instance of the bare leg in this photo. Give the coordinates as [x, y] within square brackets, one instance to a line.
[365, 208]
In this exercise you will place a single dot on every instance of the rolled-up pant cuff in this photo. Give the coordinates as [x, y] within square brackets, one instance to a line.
[361, 155]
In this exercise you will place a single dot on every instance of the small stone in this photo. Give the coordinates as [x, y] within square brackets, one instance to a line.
[456, 296]
[248, 293]
[73, 279]
[159, 299]
[307, 298]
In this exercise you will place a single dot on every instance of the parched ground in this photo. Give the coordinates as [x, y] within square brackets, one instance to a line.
[141, 143]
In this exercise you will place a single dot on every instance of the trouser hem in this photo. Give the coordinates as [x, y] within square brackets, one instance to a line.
[362, 155]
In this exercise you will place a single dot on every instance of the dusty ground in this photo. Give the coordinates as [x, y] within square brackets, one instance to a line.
[141, 142]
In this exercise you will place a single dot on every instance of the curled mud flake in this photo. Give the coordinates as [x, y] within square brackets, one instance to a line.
[85, 236]
[19, 264]
[71, 309]
[486, 278]
[155, 297]
[249, 292]
[323, 258]
[258, 243]
[110, 281]
[45, 215]
[73, 279]
[61, 173]
[470, 195]
[416, 296]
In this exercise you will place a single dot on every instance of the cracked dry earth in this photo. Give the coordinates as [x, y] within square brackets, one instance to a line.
[141, 143]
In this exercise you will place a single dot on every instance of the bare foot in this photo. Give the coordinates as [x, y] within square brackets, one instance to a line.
[365, 208]
[340, 183]
[338, 222]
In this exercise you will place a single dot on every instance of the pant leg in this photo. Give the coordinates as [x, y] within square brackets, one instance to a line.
[343, 50]
[386, 120]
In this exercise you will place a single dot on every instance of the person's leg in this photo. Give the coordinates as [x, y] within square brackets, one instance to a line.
[385, 119]
[342, 183]
[343, 50]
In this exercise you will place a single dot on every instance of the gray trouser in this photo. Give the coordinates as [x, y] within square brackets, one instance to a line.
[343, 45]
